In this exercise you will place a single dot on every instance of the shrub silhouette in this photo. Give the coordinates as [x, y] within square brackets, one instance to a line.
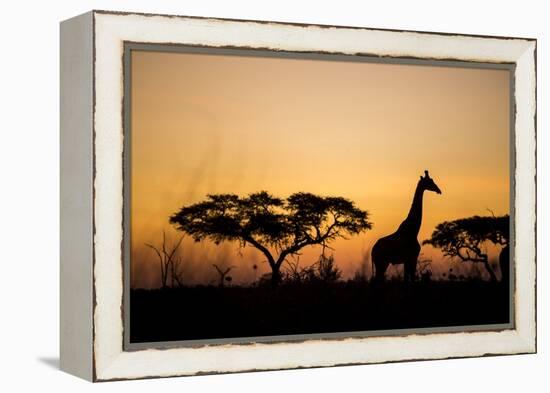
[327, 271]
[169, 263]
[223, 273]
[322, 271]
[278, 228]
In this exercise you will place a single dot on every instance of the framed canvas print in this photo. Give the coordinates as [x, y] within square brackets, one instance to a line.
[245, 195]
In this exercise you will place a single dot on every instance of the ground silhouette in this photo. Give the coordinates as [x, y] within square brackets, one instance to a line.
[210, 312]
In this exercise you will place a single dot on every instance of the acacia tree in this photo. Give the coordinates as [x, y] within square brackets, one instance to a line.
[278, 228]
[464, 238]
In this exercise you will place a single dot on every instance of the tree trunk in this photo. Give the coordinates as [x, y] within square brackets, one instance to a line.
[162, 276]
[490, 270]
[275, 275]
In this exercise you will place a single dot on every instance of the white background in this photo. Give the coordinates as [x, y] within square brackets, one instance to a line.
[29, 197]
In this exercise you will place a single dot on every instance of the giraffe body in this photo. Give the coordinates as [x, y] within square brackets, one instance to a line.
[395, 250]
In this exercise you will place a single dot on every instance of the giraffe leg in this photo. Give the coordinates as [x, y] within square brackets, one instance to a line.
[406, 271]
[410, 265]
[410, 269]
[380, 272]
[413, 269]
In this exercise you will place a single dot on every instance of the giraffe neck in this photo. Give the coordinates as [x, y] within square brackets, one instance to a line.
[412, 223]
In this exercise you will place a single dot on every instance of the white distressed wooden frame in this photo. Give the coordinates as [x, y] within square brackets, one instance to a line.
[92, 195]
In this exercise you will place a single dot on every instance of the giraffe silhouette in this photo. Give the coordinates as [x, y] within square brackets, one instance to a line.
[402, 247]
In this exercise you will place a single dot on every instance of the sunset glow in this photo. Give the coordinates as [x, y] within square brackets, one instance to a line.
[205, 124]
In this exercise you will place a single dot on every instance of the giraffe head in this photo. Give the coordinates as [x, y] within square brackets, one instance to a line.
[427, 183]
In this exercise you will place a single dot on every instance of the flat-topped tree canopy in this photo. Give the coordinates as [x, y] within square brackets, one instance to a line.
[276, 227]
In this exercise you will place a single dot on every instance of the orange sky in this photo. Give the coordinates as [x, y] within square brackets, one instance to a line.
[233, 124]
